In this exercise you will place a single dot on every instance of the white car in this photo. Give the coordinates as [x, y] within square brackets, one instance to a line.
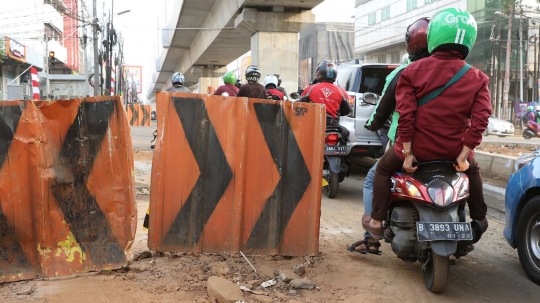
[499, 127]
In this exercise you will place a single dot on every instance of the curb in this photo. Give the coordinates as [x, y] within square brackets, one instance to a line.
[499, 165]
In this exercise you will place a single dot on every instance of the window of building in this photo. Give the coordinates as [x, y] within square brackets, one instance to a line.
[394, 57]
[385, 13]
[372, 18]
[412, 4]
[52, 33]
[381, 58]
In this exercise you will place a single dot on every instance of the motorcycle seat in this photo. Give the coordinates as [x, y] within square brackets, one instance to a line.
[442, 170]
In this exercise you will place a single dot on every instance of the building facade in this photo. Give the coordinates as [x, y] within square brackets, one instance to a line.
[33, 30]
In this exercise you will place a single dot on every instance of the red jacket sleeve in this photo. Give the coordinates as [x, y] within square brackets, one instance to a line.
[406, 105]
[219, 91]
[480, 112]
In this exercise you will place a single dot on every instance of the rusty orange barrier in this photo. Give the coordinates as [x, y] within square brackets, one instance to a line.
[233, 174]
[139, 115]
[67, 204]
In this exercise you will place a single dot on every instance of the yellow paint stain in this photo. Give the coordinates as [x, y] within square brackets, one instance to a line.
[70, 247]
[43, 251]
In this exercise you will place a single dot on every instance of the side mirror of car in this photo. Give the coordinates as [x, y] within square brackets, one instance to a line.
[370, 98]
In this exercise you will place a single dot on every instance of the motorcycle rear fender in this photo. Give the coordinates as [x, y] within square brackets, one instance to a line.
[430, 214]
[334, 163]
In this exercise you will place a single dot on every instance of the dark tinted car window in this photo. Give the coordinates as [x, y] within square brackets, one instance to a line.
[373, 79]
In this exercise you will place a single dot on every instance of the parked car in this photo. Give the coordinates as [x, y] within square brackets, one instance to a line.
[499, 127]
[522, 203]
[362, 81]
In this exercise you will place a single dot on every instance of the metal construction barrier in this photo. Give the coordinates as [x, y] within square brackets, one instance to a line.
[67, 203]
[139, 115]
[236, 174]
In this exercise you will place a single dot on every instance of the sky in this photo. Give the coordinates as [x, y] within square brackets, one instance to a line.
[139, 28]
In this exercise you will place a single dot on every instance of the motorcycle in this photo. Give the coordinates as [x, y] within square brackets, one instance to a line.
[427, 219]
[335, 167]
[530, 132]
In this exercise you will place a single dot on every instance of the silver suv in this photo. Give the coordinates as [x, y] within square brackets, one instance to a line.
[362, 81]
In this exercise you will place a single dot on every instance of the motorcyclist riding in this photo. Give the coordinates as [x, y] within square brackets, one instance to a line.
[271, 83]
[252, 89]
[229, 87]
[332, 96]
[281, 89]
[530, 117]
[178, 80]
[449, 126]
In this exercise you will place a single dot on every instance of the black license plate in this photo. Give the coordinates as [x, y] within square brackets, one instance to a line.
[441, 231]
[336, 149]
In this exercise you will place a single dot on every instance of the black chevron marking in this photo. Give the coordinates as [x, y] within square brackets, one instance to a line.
[81, 211]
[215, 174]
[294, 181]
[12, 258]
[134, 115]
[146, 115]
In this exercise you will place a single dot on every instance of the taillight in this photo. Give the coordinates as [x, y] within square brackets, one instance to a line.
[331, 140]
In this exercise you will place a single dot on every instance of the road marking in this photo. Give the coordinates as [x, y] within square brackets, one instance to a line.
[495, 189]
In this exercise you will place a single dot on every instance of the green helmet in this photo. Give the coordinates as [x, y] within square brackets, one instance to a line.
[229, 78]
[530, 108]
[452, 29]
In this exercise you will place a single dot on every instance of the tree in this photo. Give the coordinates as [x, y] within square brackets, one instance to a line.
[2, 49]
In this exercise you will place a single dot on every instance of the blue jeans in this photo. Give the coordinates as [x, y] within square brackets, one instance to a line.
[368, 193]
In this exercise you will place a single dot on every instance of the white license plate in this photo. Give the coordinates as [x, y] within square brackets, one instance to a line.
[336, 149]
[443, 231]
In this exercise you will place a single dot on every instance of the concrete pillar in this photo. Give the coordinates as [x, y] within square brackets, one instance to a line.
[209, 78]
[274, 41]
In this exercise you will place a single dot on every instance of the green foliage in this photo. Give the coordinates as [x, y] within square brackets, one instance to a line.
[2, 49]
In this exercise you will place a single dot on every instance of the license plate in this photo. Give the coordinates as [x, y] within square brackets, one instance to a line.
[441, 231]
[336, 149]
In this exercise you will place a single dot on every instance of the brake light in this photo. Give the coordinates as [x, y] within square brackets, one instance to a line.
[351, 100]
[331, 140]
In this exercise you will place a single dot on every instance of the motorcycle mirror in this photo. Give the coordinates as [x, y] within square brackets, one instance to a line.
[294, 95]
[370, 98]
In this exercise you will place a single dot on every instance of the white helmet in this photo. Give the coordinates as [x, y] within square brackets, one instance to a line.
[271, 79]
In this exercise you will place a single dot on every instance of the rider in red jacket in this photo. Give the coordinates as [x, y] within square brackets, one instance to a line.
[332, 96]
[271, 83]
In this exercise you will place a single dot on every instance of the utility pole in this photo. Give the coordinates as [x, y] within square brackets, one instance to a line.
[48, 65]
[520, 60]
[85, 44]
[507, 68]
[96, 54]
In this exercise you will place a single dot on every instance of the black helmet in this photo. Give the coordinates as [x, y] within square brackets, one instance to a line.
[278, 79]
[252, 73]
[326, 72]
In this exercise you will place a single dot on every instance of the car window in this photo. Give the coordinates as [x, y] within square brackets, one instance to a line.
[345, 77]
[374, 78]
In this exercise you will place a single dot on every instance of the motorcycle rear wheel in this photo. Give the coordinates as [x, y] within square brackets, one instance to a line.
[333, 183]
[527, 134]
[436, 273]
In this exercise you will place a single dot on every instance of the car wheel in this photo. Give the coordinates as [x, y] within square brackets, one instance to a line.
[528, 239]
[502, 136]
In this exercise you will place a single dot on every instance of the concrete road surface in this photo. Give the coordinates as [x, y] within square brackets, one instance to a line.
[511, 139]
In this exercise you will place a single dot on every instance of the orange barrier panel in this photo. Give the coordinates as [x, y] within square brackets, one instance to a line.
[67, 204]
[139, 115]
[234, 174]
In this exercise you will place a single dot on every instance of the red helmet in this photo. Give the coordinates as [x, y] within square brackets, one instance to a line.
[416, 36]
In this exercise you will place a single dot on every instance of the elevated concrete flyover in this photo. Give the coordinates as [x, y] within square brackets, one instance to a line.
[203, 36]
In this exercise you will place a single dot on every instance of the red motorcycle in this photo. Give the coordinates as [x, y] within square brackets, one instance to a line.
[427, 219]
[531, 131]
